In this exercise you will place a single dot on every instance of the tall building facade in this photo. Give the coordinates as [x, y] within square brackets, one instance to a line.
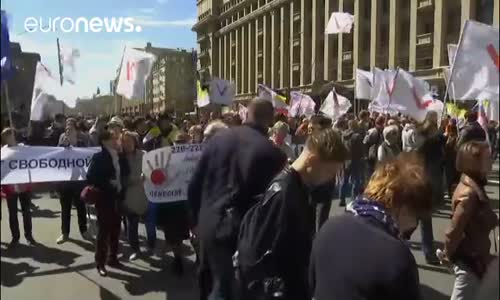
[281, 43]
[171, 85]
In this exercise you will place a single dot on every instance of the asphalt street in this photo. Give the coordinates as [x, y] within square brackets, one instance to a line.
[67, 271]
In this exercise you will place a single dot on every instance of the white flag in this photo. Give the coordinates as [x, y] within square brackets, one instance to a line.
[413, 97]
[221, 91]
[477, 62]
[335, 105]
[364, 83]
[44, 86]
[68, 57]
[279, 102]
[340, 22]
[384, 83]
[135, 69]
[301, 105]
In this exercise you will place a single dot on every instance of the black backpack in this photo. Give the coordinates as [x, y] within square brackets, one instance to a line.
[259, 244]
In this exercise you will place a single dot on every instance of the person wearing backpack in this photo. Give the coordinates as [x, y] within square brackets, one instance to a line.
[276, 234]
[372, 140]
[236, 165]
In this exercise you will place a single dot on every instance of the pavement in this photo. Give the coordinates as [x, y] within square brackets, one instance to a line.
[67, 271]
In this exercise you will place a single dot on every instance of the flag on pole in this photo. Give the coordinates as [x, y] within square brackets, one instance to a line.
[301, 105]
[384, 84]
[45, 86]
[5, 56]
[340, 22]
[364, 83]
[242, 112]
[335, 105]
[278, 101]
[134, 72]
[203, 98]
[221, 91]
[67, 60]
[475, 69]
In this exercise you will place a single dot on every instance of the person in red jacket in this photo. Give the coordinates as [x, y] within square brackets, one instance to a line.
[12, 194]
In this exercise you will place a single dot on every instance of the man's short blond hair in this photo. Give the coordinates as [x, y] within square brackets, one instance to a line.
[327, 143]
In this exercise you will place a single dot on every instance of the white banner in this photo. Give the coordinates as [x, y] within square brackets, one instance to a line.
[135, 69]
[221, 91]
[168, 172]
[340, 22]
[25, 164]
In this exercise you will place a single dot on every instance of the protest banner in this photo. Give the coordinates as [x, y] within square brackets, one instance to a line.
[25, 164]
[168, 171]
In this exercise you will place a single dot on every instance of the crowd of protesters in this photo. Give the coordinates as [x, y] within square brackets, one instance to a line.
[389, 172]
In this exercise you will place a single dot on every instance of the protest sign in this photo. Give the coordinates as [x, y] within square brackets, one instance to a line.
[168, 171]
[25, 164]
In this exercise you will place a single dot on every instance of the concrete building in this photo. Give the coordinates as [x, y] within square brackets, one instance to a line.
[20, 86]
[171, 85]
[281, 43]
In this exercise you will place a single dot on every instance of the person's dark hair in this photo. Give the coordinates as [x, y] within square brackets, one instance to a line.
[82, 126]
[128, 123]
[471, 116]
[138, 121]
[364, 114]
[164, 116]
[327, 143]
[380, 121]
[322, 121]
[104, 136]
[59, 118]
[468, 157]
[261, 112]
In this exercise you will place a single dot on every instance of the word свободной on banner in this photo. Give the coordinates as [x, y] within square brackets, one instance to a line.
[26, 164]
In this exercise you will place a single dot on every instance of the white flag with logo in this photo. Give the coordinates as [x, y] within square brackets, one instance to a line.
[364, 83]
[68, 58]
[44, 86]
[301, 105]
[477, 62]
[340, 22]
[135, 69]
[335, 105]
[221, 91]
[384, 83]
[413, 97]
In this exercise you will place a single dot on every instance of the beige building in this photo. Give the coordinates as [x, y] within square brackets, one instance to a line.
[171, 85]
[281, 43]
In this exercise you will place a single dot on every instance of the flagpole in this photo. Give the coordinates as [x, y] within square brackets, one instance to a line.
[7, 101]
[452, 67]
[59, 61]
[118, 79]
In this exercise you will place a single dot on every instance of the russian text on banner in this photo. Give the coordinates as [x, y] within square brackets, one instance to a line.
[168, 171]
[25, 164]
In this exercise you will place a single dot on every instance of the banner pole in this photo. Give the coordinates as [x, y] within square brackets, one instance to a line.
[59, 61]
[453, 65]
[7, 101]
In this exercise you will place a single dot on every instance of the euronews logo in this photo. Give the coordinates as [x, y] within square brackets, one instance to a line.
[81, 24]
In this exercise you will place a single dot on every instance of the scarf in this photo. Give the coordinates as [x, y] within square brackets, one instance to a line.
[366, 208]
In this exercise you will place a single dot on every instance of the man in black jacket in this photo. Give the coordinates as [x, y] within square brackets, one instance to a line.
[236, 165]
[472, 131]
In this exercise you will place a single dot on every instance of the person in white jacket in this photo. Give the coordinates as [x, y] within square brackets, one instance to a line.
[410, 137]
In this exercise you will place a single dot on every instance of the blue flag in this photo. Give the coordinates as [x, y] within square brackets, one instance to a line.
[5, 57]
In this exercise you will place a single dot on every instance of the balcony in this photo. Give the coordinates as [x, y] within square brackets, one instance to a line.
[347, 56]
[424, 5]
[202, 37]
[205, 15]
[260, 75]
[425, 39]
[296, 67]
[296, 42]
[260, 53]
[260, 31]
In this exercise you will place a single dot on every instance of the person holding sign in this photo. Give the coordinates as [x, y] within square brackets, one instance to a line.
[106, 171]
[15, 192]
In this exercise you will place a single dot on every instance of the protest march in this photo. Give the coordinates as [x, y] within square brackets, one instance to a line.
[381, 185]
